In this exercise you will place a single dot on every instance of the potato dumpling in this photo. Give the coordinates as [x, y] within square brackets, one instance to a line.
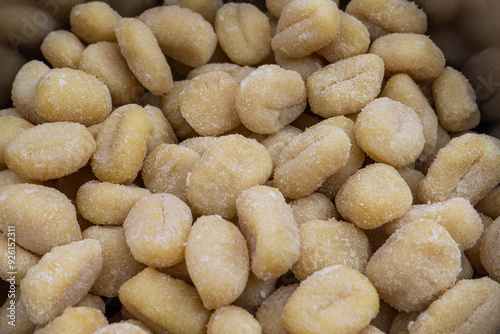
[304, 27]
[244, 33]
[374, 196]
[60, 279]
[333, 300]
[415, 265]
[217, 261]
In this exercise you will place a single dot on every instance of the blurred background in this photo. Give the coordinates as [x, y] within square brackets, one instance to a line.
[467, 31]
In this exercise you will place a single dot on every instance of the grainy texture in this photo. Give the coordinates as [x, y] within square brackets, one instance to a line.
[468, 167]
[122, 144]
[305, 66]
[356, 157]
[258, 124]
[104, 60]
[10, 127]
[314, 206]
[490, 250]
[455, 101]
[234, 163]
[157, 229]
[207, 103]
[244, 33]
[276, 6]
[352, 39]
[237, 72]
[270, 229]
[60, 279]
[43, 217]
[456, 215]
[388, 16]
[143, 54]
[390, 132]
[415, 265]
[77, 320]
[305, 27]
[118, 263]
[182, 34]
[333, 300]
[62, 48]
[232, 319]
[162, 133]
[422, 59]
[165, 170]
[105, 203]
[121, 328]
[374, 196]
[346, 86]
[471, 306]
[207, 8]
[199, 144]
[309, 159]
[164, 304]
[23, 90]
[94, 21]
[169, 105]
[50, 151]
[275, 143]
[270, 98]
[402, 88]
[64, 94]
[327, 243]
[20, 257]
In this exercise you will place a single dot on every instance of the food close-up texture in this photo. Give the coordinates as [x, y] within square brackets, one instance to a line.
[249, 167]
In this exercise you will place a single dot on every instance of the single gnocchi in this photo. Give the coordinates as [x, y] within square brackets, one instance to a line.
[217, 261]
[270, 98]
[390, 132]
[157, 229]
[305, 27]
[60, 279]
[182, 34]
[415, 265]
[324, 243]
[346, 86]
[244, 33]
[233, 164]
[207, 103]
[64, 94]
[50, 151]
[261, 211]
[467, 167]
[164, 303]
[309, 159]
[335, 299]
[122, 144]
[42, 216]
[373, 196]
